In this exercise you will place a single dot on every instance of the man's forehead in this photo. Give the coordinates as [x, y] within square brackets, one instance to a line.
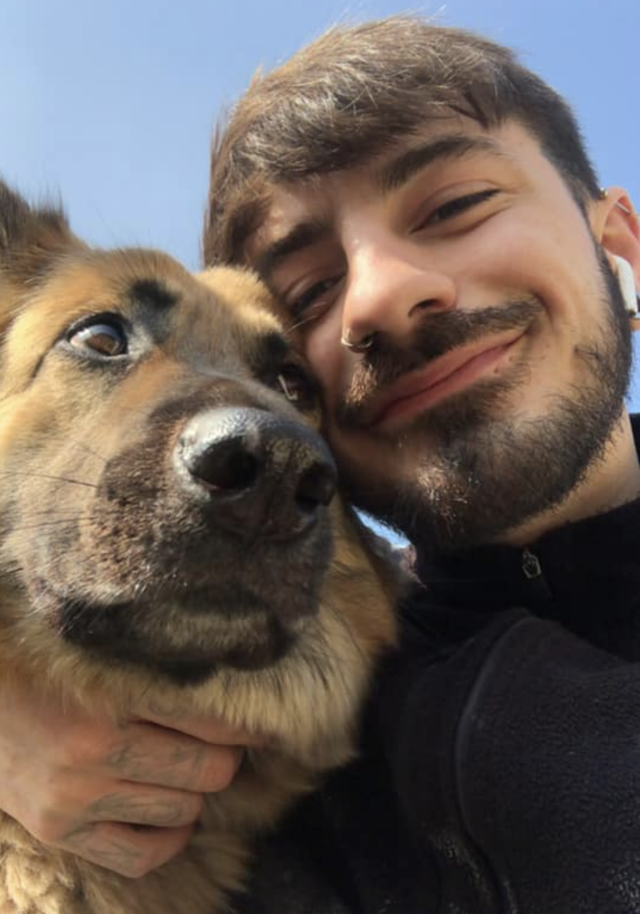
[298, 211]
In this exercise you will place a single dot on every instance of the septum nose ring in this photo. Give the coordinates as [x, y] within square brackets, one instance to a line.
[362, 345]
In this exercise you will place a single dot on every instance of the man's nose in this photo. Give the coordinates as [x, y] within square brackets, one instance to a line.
[389, 293]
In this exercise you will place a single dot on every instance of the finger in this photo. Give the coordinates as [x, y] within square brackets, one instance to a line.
[208, 729]
[126, 849]
[138, 805]
[148, 754]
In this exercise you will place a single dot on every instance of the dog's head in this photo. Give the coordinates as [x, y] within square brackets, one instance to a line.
[165, 500]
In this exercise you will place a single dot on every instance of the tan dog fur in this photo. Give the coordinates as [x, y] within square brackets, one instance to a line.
[63, 427]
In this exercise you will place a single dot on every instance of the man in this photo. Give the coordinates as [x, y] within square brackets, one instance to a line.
[425, 211]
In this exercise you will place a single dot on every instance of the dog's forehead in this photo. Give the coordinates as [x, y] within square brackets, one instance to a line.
[236, 315]
[91, 282]
[242, 295]
[225, 308]
[222, 319]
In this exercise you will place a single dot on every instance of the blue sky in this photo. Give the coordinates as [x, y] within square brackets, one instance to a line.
[110, 105]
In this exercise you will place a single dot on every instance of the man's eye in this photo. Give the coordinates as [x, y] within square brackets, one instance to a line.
[101, 336]
[315, 300]
[457, 206]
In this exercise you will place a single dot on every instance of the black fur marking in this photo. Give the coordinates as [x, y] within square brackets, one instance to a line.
[107, 632]
[151, 293]
[271, 351]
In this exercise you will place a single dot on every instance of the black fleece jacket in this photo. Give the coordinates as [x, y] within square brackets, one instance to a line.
[500, 762]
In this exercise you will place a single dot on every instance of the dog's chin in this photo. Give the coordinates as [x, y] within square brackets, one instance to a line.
[136, 635]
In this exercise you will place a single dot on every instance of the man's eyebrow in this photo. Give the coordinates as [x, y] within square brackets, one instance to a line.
[391, 176]
[396, 173]
[301, 236]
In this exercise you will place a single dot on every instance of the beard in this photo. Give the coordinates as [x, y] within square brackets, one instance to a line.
[483, 472]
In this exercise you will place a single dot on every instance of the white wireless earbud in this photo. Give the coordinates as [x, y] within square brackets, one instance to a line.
[627, 283]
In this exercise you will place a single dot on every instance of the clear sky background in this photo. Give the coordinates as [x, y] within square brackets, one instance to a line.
[110, 105]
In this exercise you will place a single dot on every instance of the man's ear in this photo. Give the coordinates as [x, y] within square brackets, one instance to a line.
[30, 238]
[616, 226]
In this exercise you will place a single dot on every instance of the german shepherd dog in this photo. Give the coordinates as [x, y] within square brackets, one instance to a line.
[168, 534]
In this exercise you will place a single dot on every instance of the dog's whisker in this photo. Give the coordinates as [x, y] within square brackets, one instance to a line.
[57, 522]
[83, 446]
[35, 475]
[75, 443]
[301, 323]
[50, 513]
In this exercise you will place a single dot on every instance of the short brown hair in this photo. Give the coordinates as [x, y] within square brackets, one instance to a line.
[355, 90]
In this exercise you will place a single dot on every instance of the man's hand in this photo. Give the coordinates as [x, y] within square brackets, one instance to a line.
[125, 796]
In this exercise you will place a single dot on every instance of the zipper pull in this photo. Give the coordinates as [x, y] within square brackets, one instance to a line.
[531, 565]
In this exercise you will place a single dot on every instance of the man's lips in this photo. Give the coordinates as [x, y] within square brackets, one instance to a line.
[422, 389]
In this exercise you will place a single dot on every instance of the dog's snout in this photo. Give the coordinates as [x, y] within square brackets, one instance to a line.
[262, 473]
[225, 464]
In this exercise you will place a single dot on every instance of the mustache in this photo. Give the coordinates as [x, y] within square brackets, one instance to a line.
[437, 335]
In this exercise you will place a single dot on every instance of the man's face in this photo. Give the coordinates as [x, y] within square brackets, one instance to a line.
[501, 349]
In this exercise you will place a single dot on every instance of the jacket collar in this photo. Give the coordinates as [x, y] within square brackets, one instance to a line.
[583, 574]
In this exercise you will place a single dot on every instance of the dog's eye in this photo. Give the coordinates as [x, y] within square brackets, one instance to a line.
[296, 385]
[106, 339]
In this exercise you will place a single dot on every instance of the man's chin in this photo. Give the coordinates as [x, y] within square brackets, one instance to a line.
[477, 485]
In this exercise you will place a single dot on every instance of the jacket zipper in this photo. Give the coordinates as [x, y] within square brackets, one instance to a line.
[531, 565]
[532, 571]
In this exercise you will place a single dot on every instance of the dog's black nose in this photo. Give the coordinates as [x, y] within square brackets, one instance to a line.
[261, 474]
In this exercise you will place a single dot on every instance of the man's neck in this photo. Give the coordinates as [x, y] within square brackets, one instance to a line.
[614, 480]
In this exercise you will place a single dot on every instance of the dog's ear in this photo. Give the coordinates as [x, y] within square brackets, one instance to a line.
[30, 238]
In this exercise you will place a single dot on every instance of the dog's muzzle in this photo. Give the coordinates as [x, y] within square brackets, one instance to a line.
[260, 475]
